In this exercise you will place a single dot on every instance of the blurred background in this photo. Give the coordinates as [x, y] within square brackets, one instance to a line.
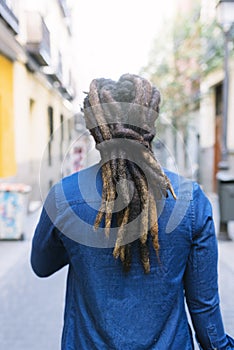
[49, 53]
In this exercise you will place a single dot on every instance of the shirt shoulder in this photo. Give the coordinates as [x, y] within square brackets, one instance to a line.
[182, 186]
[81, 186]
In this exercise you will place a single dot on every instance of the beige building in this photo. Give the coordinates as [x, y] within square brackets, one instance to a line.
[206, 121]
[195, 150]
[211, 114]
[38, 111]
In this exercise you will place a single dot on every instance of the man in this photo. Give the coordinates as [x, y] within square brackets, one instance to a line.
[136, 238]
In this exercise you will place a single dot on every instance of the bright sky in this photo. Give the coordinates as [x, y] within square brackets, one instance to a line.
[115, 37]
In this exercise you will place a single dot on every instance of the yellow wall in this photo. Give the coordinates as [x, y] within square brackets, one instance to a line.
[7, 146]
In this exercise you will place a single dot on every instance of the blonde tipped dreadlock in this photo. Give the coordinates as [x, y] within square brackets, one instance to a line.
[104, 100]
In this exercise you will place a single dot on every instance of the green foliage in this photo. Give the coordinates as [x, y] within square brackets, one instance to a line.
[174, 67]
[186, 53]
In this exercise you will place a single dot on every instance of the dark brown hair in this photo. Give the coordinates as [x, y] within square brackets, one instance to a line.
[123, 113]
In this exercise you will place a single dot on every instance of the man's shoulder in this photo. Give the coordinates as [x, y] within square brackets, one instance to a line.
[88, 172]
[79, 185]
[89, 180]
[183, 186]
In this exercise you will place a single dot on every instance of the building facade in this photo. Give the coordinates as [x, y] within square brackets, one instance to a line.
[192, 76]
[212, 109]
[37, 93]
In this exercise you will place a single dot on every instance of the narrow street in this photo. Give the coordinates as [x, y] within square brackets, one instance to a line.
[31, 314]
[226, 283]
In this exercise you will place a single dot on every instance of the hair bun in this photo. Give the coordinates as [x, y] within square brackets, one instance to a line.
[125, 91]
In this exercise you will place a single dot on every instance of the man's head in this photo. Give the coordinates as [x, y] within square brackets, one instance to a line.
[121, 117]
[131, 103]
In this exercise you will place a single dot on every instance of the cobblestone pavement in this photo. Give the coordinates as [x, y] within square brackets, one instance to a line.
[31, 314]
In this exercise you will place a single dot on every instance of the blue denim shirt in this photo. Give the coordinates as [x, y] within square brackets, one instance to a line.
[108, 309]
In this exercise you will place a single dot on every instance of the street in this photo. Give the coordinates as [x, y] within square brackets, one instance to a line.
[226, 283]
[31, 315]
[31, 308]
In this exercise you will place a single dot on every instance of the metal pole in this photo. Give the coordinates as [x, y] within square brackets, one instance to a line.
[224, 151]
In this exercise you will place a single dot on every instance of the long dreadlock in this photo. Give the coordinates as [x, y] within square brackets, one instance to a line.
[126, 110]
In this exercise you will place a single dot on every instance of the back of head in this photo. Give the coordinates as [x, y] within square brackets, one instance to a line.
[121, 117]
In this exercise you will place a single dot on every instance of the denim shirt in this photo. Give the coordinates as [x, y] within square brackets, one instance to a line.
[108, 309]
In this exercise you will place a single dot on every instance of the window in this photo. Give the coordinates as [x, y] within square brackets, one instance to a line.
[51, 122]
[62, 127]
[62, 136]
[51, 131]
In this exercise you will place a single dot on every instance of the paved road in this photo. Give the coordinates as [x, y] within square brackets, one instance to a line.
[226, 284]
[32, 309]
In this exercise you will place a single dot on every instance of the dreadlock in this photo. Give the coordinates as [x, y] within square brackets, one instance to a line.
[114, 112]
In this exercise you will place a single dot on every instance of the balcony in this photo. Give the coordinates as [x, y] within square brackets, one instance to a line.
[38, 39]
[67, 92]
[53, 75]
[9, 17]
[64, 7]
[66, 14]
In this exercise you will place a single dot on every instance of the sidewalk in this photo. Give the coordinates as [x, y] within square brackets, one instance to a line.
[31, 316]
[226, 284]
[12, 251]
